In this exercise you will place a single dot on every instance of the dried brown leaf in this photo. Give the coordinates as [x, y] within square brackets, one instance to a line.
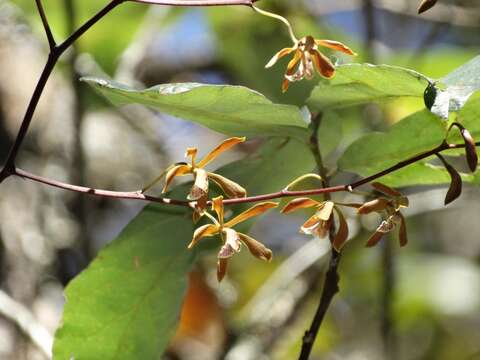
[470, 149]
[426, 5]
[455, 189]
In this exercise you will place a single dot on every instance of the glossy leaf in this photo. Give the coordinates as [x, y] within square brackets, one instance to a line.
[231, 110]
[413, 135]
[127, 303]
[356, 84]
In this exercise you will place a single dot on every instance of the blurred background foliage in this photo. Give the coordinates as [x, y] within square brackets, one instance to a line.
[261, 310]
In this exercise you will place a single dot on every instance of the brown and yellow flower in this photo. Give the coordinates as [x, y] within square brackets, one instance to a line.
[231, 239]
[307, 58]
[389, 207]
[199, 191]
[320, 223]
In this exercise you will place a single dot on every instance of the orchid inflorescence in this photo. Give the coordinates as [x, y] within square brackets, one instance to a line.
[320, 224]
[306, 55]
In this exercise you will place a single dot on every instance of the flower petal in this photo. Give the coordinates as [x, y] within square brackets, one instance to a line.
[376, 205]
[256, 248]
[374, 239]
[217, 206]
[299, 203]
[323, 64]
[342, 234]
[310, 226]
[253, 211]
[203, 231]
[335, 45]
[221, 269]
[325, 210]
[278, 56]
[191, 153]
[402, 234]
[232, 244]
[200, 187]
[224, 146]
[177, 170]
[229, 187]
[292, 63]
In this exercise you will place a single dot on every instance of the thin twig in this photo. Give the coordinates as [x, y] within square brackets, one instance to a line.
[138, 195]
[46, 25]
[332, 278]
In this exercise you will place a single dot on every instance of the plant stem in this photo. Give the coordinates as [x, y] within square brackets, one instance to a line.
[332, 278]
[138, 195]
[46, 25]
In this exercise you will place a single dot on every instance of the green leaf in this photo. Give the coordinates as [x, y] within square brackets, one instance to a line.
[126, 304]
[356, 84]
[231, 110]
[272, 167]
[413, 135]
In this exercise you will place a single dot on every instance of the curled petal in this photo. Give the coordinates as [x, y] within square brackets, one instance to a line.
[324, 211]
[224, 146]
[387, 190]
[402, 234]
[278, 56]
[374, 239]
[229, 187]
[232, 244]
[221, 269]
[200, 187]
[203, 231]
[253, 211]
[191, 153]
[376, 205]
[323, 64]
[299, 203]
[342, 234]
[311, 225]
[177, 170]
[335, 45]
[256, 248]
[293, 63]
[217, 206]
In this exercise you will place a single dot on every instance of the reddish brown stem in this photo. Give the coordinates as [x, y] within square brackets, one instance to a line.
[137, 195]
